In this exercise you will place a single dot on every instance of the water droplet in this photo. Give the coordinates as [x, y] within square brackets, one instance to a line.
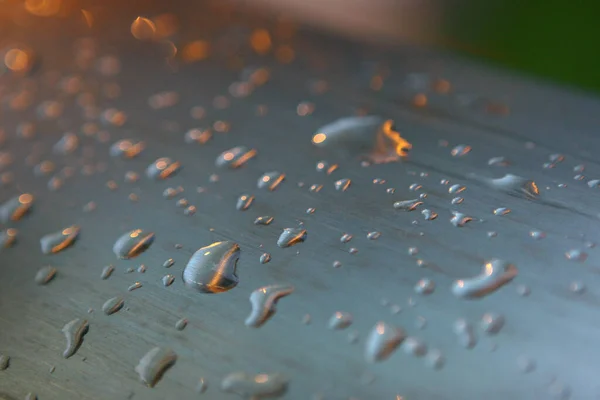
[407, 205]
[594, 183]
[492, 323]
[465, 333]
[133, 243]
[315, 188]
[414, 346]
[413, 251]
[523, 290]
[200, 136]
[8, 237]
[390, 190]
[74, 332]
[141, 269]
[425, 286]
[263, 220]
[513, 185]
[460, 150]
[498, 162]
[168, 263]
[337, 264]
[395, 309]
[212, 269]
[45, 275]
[202, 386]
[429, 215]
[58, 241]
[501, 211]
[340, 320]
[154, 364]
[31, 396]
[378, 181]
[456, 189]
[181, 324]
[244, 202]
[537, 235]
[579, 177]
[577, 287]
[559, 391]
[235, 157]
[371, 137]
[134, 286]
[263, 301]
[255, 386]
[415, 187]
[131, 177]
[373, 235]
[66, 145]
[107, 271]
[525, 364]
[4, 362]
[342, 184]
[345, 238]
[163, 168]
[459, 219]
[435, 359]
[324, 166]
[382, 342]
[495, 274]
[15, 208]
[310, 210]
[291, 236]
[113, 305]
[270, 180]
[168, 280]
[126, 148]
[265, 258]
[44, 168]
[576, 255]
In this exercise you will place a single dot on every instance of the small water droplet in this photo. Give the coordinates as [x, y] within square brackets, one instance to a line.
[55, 242]
[263, 301]
[141, 269]
[495, 274]
[352, 250]
[66, 145]
[421, 323]
[342, 185]
[456, 189]
[498, 162]
[576, 255]
[255, 386]
[425, 286]
[4, 362]
[315, 188]
[460, 150]
[382, 342]
[202, 386]
[559, 391]
[525, 364]
[163, 168]
[126, 148]
[492, 323]
[270, 180]
[390, 190]
[74, 332]
[235, 157]
[337, 264]
[459, 219]
[107, 271]
[501, 211]
[113, 305]
[413, 251]
[345, 238]
[15, 208]
[135, 286]
[378, 181]
[244, 202]
[291, 236]
[133, 243]
[513, 185]
[429, 215]
[324, 166]
[306, 319]
[577, 287]
[435, 359]
[31, 396]
[200, 136]
[579, 177]
[45, 275]
[310, 210]
[414, 346]
[407, 205]
[537, 235]
[373, 235]
[263, 220]
[415, 187]
[465, 333]
[265, 258]
[181, 324]
[523, 290]
[168, 280]
[340, 320]
[8, 238]
[154, 364]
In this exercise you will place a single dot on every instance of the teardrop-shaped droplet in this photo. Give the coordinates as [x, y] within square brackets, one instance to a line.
[58, 241]
[265, 258]
[244, 202]
[154, 364]
[291, 236]
[168, 280]
[429, 215]
[74, 332]
[459, 219]
[15, 208]
[382, 342]
[163, 168]
[107, 271]
[270, 180]
[263, 301]
[133, 243]
[113, 305]
[212, 269]
[126, 148]
[370, 137]
[235, 157]
[495, 274]
[255, 386]
[45, 275]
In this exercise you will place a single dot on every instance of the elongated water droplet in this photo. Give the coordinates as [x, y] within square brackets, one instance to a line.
[345, 238]
[4, 362]
[576, 255]
[407, 205]
[113, 305]
[459, 219]
[324, 166]
[291, 236]
[537, 235]
[464, 333]
[594, 183]
[212, 269]
[429, 215]
[133, 243]
[244, 202]
[45, 275]
[154, 364]
[263, 220]
[74, 332]
[15, 208]
[373, 235]
[235, 157]
[134, 286]
[8, 237]
[255, 386]
[513, 185]
[168, 280]
[501, 211]
[200, 136]
[66, 145]
[270, 180]
[342, 185]
[498, 162]
[263, 301]
[107, 271]
[340, 320]
[181, 324]
[265, 258]
[371, 137]
[495, 274]
[163, 168]
[126, 149]
[456, 189]
[460, 150]
[316, 188]
[425, 286]
[58, 241]
[382, 342]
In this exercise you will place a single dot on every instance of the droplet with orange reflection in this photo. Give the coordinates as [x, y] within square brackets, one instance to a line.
[15, 208]
[143, 29]
[58, 241]
[43, 8]
[17, 60]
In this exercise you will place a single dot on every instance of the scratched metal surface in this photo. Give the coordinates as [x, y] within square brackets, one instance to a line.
[556, 328]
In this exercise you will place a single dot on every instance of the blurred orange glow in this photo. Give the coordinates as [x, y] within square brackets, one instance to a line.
[16, 60]
[285, 54]
[87, 17]
[260, 40]
[420, 100]
[166, 25]
[441, 86]
[195, 51]
[43, 8]
[376, 82]
[143, 29]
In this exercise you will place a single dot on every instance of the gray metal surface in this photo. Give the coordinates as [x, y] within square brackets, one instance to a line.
[553, 326]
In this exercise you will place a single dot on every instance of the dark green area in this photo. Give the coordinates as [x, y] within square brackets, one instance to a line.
[557, 40]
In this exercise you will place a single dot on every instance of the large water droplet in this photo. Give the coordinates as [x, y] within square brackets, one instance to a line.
[163, 168]
[291, 236]
[382, 342]
[235, 157]
[58, 241]
[154, 364]
[74, 332]
[371, 137]
[255, 386]
[270, 180]
[459, 219]
[212, 269]
[263, 301]
[494, 275]
[133, 243]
